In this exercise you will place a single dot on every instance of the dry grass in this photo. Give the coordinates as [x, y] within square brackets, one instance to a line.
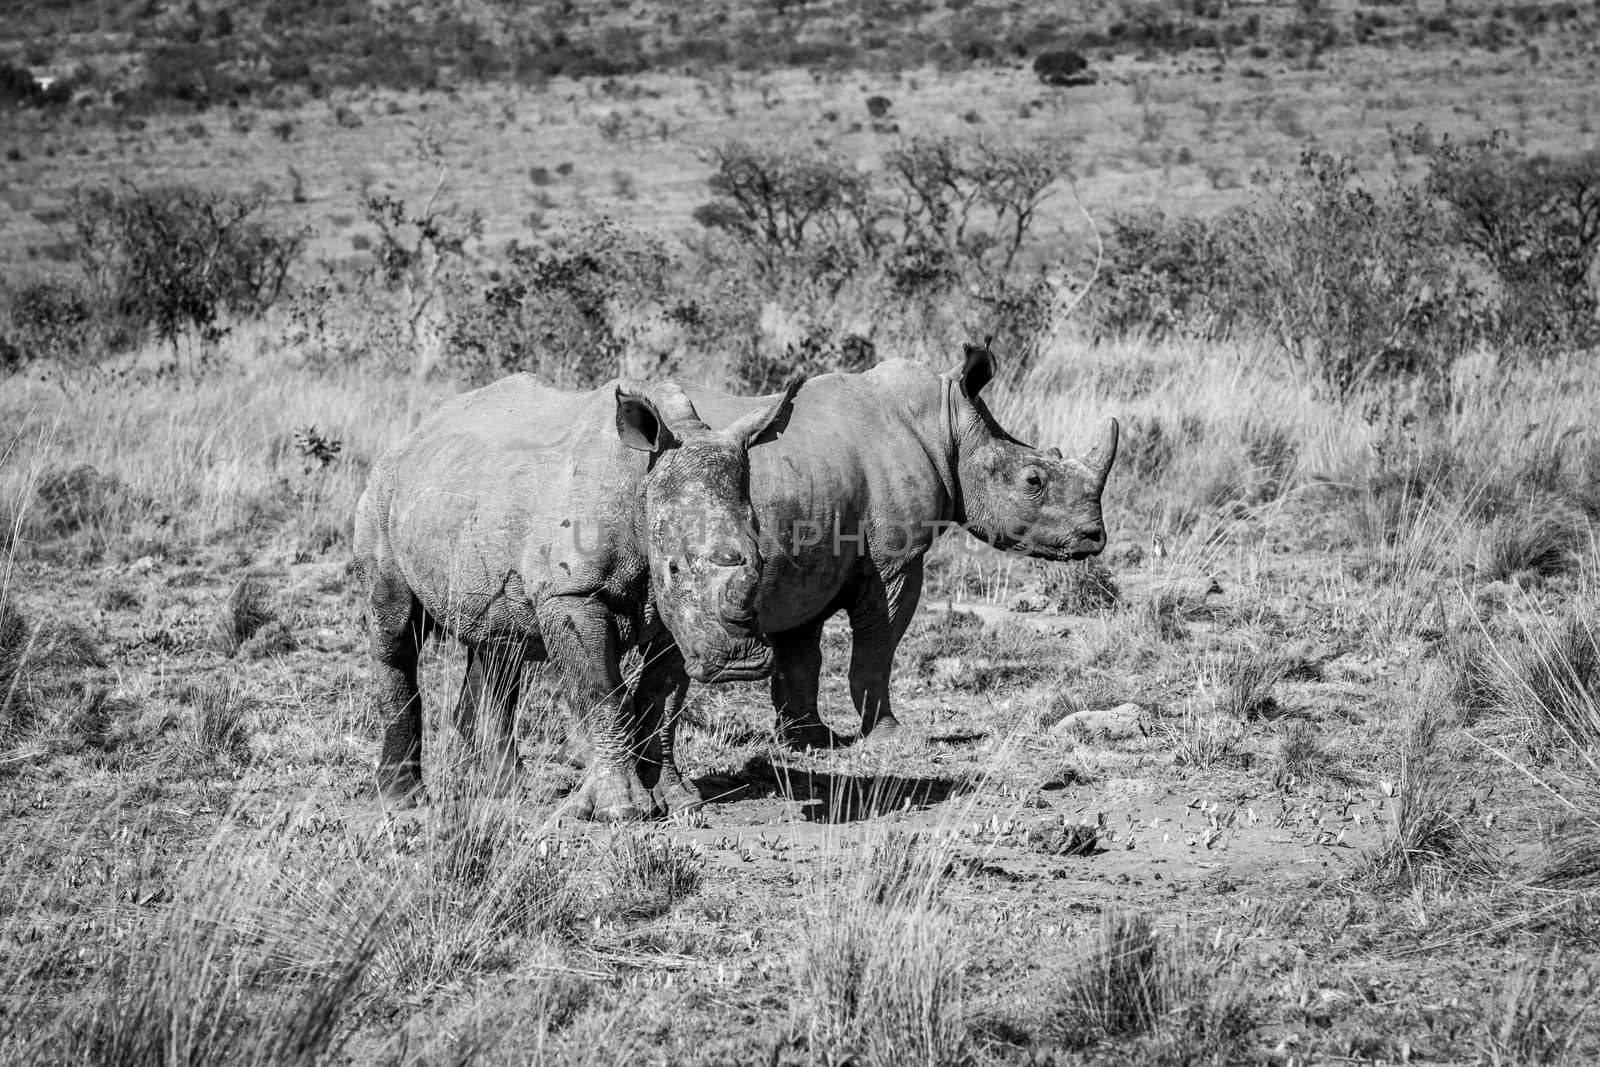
[1431, 837]
[1526, 1022]
[1139, 992]
[884, 984]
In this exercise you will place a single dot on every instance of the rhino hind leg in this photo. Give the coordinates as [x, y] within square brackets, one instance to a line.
[486, 713]
[879, 616]
[797, 670]
[659, 696]
[398, 626]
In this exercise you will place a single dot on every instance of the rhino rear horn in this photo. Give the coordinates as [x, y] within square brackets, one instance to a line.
[747, 430]
[1103, 455]
[639, 424]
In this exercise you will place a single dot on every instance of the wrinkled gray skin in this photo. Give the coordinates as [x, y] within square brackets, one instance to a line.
[535, 523]
[889, 458]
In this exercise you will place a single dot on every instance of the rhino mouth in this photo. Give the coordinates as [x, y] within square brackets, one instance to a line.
[730, 660]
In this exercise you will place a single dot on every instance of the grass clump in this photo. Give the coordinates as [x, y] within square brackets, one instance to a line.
[1526, 1020]
[1086, 588]
[1429, 836]
[1150, 997]
[884, 986]
[648, 874]
[235, 972]
[475, 889]
[1204, 739]
[1248, 678]
[222, 721]
[1555, 684]
[1301, 758]
[1528, 549]
[247, 610]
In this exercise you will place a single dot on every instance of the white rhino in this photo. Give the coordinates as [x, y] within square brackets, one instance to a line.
[531, 522]
[865, 472]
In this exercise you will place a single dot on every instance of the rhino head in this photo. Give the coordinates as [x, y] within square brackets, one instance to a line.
[699, 528]
[1017, 497]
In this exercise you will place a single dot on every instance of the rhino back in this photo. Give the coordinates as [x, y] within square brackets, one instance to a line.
[862, 449]
[510, 494]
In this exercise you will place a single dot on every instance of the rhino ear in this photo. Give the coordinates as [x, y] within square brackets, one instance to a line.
[977, 371]
[748, 430]
[640, 425]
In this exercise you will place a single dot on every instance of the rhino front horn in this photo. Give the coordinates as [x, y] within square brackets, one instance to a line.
[1104, 454]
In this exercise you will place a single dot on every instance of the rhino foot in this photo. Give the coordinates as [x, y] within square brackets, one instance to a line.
[678, 795]
[401, 794]
[801, 735]
[884, 726]
[616, 795]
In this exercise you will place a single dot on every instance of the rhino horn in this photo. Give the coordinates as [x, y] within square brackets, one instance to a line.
[639, 422]
[749, 428]
[1103, 455]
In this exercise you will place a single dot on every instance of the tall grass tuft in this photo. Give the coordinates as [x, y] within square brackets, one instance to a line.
[475, 885]
[16, 644]
[885, 986]
[1524, 547]
[1151, 996]
[1527, 1021]
[1555, 683]
[238, 971]
[1248, 678]
[1429, 835]
[648, 874]
[247, 610]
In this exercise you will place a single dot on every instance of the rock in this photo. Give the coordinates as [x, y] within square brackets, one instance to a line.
[1124, 720]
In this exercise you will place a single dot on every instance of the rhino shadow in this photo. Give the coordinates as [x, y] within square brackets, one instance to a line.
[831, 798]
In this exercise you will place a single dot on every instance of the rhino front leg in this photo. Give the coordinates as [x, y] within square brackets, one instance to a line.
[486, 713]
[879, 617]
[397, 627]
[581, 637]
[663, 686]
[797, 670]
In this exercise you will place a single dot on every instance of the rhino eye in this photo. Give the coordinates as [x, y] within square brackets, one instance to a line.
[1033, 478]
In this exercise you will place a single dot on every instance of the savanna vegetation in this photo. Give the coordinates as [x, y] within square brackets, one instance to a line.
[1301, 770]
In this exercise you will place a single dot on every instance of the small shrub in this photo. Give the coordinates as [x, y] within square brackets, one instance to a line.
[553, 310]
[175, 258]
[1354, 285]
[1062, 68]
[1168, 276]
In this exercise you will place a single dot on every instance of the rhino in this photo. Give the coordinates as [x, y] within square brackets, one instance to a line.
[866, 471]
[532, 523]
